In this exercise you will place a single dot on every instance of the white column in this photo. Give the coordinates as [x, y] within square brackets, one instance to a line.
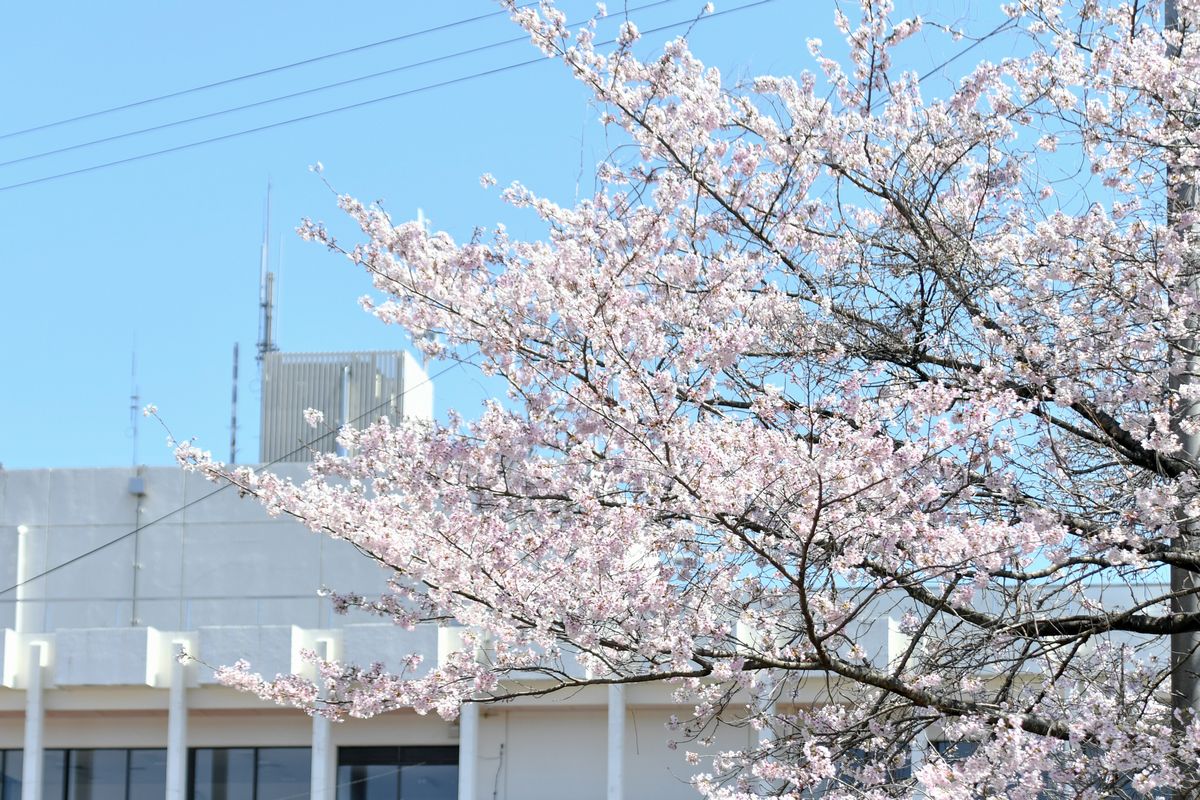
[616, 741]
[468, 751]
[916, 751]
[323, 780]
[766, 707]
[324, 770]
[177, 714]
[31, 557]
[31, 770]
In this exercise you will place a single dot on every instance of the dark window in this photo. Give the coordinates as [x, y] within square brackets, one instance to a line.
[11, 767]
[955, 752]
[105, 774]
[897, 767]
[222, 774]
[11, 764]
[397, 773]
[96, 774]
[249, 773]
[54, 774]
[147, 774]
[283, 772]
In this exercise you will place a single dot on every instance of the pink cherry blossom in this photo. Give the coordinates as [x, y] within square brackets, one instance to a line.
[819, 350]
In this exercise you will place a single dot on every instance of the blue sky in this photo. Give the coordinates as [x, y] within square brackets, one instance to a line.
[161, 255]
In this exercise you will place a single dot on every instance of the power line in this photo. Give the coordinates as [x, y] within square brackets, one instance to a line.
[350, 107]
[428, 379]
[218, 490]
[292, 95]
[260, 128]
[258, 74]
[366, 413]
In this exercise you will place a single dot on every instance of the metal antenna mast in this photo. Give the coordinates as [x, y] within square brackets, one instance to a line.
[266, 288]
[233, 410]
[134, 401]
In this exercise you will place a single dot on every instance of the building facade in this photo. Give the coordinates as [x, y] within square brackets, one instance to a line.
[94, 705]
[106, 574]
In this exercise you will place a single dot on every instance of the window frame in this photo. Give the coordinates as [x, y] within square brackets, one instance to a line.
[64, 773]
[398, 756]
[254, 765]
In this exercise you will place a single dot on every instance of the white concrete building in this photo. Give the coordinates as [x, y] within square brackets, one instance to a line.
[157, 559]
[105, 574]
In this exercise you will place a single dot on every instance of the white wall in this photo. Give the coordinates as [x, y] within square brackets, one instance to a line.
[555, 751]
[218, 561]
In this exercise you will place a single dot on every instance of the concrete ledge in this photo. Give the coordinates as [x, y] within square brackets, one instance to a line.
[391, 645]
[101, 656]
[16, 658]
[267, 648]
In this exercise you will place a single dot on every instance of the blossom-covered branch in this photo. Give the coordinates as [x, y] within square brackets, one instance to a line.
[821, 351]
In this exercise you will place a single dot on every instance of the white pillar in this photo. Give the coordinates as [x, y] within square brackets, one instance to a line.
[323, 768]
[323, 778]
[616, 741]
[177, 714]
[31, 557]
[916, 753]
[31, 769]
[766, 707]
[468, 751]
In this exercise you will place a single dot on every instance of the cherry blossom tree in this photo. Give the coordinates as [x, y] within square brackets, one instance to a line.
[819, 352]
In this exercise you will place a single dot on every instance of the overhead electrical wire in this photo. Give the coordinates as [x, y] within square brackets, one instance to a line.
[430, 378]
[258, 74]
[218, 490]
[352, 106]
[292, 95]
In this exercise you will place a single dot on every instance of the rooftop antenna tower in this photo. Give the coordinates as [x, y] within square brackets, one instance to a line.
[134, 401]
[233, 425]
[266, 288]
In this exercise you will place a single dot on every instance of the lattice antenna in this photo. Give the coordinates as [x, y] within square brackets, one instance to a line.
[134, 404]
[233, 423]
[266, 288]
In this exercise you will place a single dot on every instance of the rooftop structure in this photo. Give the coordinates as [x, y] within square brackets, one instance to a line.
[347, 388]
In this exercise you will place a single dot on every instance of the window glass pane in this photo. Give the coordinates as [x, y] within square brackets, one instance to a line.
[147, 774]
[283, 773]
[856, 763]
[222, 773]
[54, 774]
[429, 782]
[10, 787]
[368, 755]
[902, 771]
[10, 774]
[368, 782]
[96, 775]
[397, 773]
[428, 755]
[955, 752]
